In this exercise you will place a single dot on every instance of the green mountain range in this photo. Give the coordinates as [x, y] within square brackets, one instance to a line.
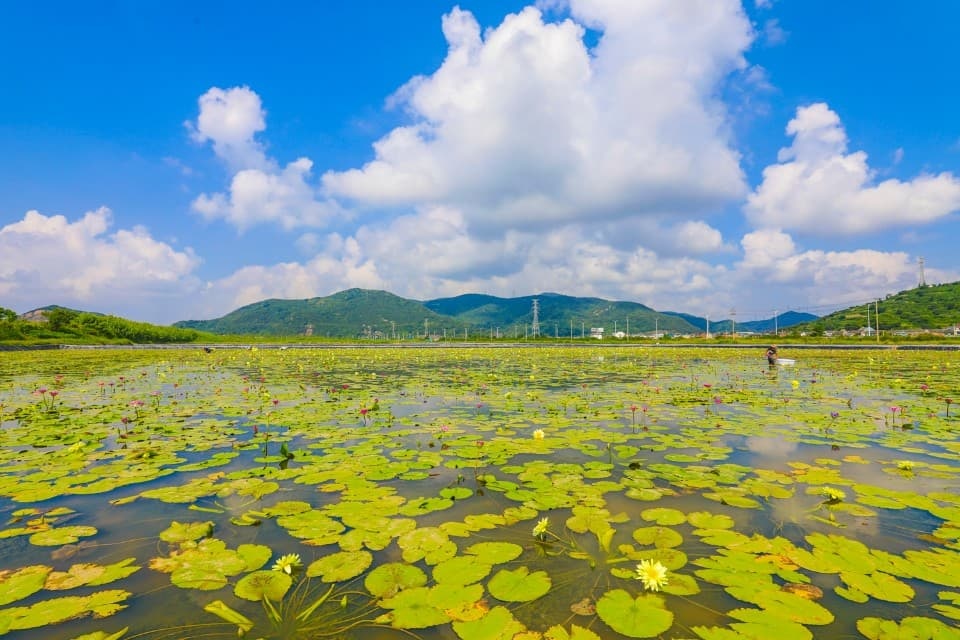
[928, 307]
[368, 313]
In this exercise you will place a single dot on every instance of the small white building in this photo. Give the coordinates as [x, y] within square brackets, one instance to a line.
[596, 332]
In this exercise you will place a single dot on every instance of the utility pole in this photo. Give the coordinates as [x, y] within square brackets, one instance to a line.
[733, 323]
[776, 331]
[876, 316]
[536, 318]
[923, 280]
[708, 325]
[628, 327]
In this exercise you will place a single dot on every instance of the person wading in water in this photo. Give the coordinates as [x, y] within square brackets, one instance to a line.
[772, 354]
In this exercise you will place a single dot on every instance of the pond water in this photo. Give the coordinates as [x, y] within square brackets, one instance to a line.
[479, 493]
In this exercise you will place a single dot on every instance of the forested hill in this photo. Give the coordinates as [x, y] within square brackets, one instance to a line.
[59, 324]
[932, 307]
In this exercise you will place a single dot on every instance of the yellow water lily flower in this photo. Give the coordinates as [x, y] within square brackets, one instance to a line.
[652, 574]
[288, 563]
[538, 434]
[541, 528]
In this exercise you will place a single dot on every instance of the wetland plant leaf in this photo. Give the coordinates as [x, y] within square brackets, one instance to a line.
[179, 532]
[218, 608]
[461, 570]
[23, 582]
[576, 633]
[255, 586]
[879, 585]
[340, 566]
[495, 552]
[645, 616]
[56, 610]
[910, 628]
[660, 537]
[430, 544]
[61, 535]
[412, 609]
[388, 579]
[663, 516]
[519, 585]
[498, 624]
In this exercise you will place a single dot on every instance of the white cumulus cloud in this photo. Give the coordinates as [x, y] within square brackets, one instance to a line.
[260, 191]
[523, 126]
[818, 188]
[51, 260]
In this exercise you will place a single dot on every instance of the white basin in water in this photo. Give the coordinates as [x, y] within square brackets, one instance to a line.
[786, 361]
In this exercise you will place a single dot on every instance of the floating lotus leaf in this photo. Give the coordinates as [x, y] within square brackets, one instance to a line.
[412, 609]
[461, 570]
[456, 493]
[645, 616]
[57, 610]
[340, 566]
[878, 585]
[733, 498]
[205, 566]
[179, 532]
[421, 506]
[258, 585]
[287, 508]
[519, 585]
[17, 585]
[313, 526]
[255, 555]
[495, 552]
[661, 537]
[497, 624]
[707, 520]
[428, 543]
[89, 574]
[449, 597]
[680, 584]
[788, 606]
[759, 623]
[912, 627]
[722, 537]
[576, 633]
[939, 566]
[663, 516]
[387, 579]
[61, 535]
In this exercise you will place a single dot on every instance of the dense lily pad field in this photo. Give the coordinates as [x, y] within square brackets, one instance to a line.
[479, 493]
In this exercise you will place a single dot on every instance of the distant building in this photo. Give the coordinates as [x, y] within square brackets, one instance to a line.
[596, 332]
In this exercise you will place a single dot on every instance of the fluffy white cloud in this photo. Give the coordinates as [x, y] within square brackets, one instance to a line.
[282, 197]
[51, 260]
[772, 262]
[819, 188]
[522, 126]
[260, 191]
[229, 119]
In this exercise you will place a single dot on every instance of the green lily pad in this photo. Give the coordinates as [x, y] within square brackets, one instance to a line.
[498, 624]
[340, 566]
[57, 610]
[495, 552]
[430, 544]
[179, 532]
[519, 585]
[258, 585]
[17, 585]
[387, 579]
[411, 609]
[645, 616]
[461, 570]
[664, 516]
[61, 535]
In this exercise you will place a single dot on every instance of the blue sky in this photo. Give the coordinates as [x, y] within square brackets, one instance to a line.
[176, 160]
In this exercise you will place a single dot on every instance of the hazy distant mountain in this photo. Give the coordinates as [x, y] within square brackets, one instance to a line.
[350, 313]
[557, 314]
